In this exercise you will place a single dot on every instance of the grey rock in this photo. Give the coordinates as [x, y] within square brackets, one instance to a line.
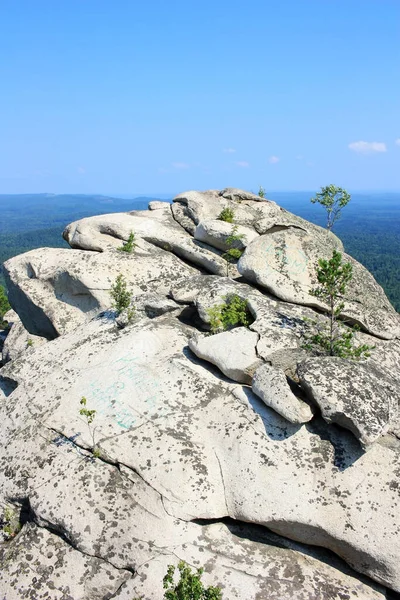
[215, 233]
[233, 352]
[285, 263]
[357, 396]
[159, 205]
[19, 340]
[270, 384]
[39, 564]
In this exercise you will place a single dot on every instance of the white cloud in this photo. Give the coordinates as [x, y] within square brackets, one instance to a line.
[229, 150]
[273, 160]
[243, 164]
[367, 147]
[180, 165]
[397, 142]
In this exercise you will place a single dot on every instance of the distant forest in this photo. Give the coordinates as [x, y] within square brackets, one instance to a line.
[369, 228]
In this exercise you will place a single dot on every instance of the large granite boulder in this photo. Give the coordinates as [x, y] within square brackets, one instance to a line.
[54, 290]
[285, 262]
[157, 228]
[357, 396]
[233, 352]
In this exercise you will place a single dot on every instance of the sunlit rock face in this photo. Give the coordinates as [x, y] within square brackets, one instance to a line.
[240, 452]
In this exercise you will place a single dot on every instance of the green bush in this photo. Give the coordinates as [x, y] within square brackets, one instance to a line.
[120, 295]
[233, 253]
[129, 245]
[189, 586]
[227, 215]
[232, 313]
[261, 192]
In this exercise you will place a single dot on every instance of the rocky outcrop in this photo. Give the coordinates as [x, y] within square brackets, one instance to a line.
[227, 451]
[357, 396]
[285, 263]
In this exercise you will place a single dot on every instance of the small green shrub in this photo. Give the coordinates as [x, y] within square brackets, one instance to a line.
[4, 307]
[90, 415]
[227, 215]
[261, 192]
[233, 253]
[129, 245]
[29, 343]
[232, 313]
[189, 586]
[11, 525]
[120, 295]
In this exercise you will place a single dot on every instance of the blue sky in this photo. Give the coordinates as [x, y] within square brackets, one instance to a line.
[127, 96]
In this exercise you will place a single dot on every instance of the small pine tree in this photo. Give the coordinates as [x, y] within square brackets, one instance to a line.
[189, 586]
[333, 199]
[89, 415]
[120, 294]
[227, 214]
[333, 277]
[129, 245]
[233, 312]
[261, 192]
[233, 253]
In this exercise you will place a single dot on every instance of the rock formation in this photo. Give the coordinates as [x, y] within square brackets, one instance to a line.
[276, 470]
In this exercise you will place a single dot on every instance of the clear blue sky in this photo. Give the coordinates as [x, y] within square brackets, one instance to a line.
[121, 96]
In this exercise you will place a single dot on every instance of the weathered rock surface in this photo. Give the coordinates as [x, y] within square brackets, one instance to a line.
[233, 352]
[285, 262]
[18, 339]
[181, 462]
[357, 396]
[181, 429]
[270, 384]
[48, 567]
[215, 233]
[55, 290]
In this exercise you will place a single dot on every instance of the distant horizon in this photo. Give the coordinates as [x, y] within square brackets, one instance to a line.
[161, 195]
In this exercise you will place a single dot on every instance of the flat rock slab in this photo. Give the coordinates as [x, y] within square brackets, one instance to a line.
[178, 445]
[270, 384]
[357, 396]
[233, 352]
[285, 263]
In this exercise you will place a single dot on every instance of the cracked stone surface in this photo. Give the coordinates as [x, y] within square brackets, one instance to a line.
[192, 451]
[357, 396]
[181, 463]
[40, 565]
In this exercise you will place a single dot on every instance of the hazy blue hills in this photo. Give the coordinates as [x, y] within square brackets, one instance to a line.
[369, 227]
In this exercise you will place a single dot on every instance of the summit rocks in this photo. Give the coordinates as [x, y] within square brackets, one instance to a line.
[238, 452]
